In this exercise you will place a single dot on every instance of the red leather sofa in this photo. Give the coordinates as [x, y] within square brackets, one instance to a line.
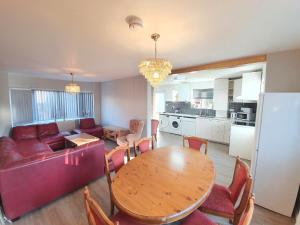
[32, 174]
[89, 126]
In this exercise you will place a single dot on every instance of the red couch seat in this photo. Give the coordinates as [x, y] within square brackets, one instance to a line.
[89, 126]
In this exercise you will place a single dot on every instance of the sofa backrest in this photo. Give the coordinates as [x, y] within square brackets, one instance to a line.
[45, 130]
[24, 132]
[8, 153]
[87, 123]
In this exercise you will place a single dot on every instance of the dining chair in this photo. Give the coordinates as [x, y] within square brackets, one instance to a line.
[222, 200]
[114, 160]
[96, 215]
[199, 218]
[195, 143]
[154, 126]
[142, 145]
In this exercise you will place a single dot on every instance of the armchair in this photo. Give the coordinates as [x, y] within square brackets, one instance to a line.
[136, 128]
[88, 126]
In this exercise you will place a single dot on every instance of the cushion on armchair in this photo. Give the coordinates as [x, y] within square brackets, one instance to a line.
[87, 123]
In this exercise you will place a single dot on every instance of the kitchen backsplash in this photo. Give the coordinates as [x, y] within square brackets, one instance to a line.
[236, 106]
[185, 108]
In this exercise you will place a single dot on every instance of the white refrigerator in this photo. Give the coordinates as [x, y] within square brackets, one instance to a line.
[276, 162]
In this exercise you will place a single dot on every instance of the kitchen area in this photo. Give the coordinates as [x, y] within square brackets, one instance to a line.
[218, 105]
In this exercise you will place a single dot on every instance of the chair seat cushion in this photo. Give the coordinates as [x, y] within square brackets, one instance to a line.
[198, 218]
[124, 219]
[219, 201]
[31, 147]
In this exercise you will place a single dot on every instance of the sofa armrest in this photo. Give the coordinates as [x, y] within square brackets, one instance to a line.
[30, 183]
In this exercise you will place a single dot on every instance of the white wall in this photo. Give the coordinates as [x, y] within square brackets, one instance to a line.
[4, 105]
[298, 219]
[21, 81]
[283, 72]
[123, 100]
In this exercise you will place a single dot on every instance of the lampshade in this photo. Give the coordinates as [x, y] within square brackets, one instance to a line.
[72, 87]
[155, 70]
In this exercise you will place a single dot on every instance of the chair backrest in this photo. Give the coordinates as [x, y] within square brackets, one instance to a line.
[114, 160]
[154, 125]
[143, 145]
[248, 213]
[136, 127]
[240, 176]
[195, 142]
[87, 123]
[95, 214]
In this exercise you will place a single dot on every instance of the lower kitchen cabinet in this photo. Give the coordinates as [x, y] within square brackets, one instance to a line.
[214, 129]
[188, 126]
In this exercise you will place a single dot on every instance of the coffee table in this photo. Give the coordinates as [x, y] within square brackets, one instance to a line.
[80, 139]
[113, 132]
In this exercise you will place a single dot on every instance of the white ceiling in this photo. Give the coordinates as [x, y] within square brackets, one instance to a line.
[91, 39]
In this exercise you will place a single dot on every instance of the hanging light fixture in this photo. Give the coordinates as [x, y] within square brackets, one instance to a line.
[155, 69]
[72, 87]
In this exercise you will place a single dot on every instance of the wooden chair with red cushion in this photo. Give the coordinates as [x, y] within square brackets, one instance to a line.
[154, 126]
[199, 218]
[222, 200]
[114, 160]
[142, 146]
[195, 143]
[96, 215]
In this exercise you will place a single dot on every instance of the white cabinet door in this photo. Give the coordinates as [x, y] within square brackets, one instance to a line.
[237, 90]
[251, 86]
[221, 94]
[227, 130]
[203, 128]
[188, 126]
[184, 92]
[218, 130]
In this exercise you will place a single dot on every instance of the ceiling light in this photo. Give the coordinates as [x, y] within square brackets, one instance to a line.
[72, 87]
[155, 69]
[134, 22]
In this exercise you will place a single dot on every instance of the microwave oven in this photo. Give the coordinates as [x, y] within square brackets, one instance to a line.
[245, 116]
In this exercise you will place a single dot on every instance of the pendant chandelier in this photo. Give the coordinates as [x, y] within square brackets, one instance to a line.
[72, 87]
[155, 69]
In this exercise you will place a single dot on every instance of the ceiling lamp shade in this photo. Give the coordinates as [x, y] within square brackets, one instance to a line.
[155, 69]
[72, 87]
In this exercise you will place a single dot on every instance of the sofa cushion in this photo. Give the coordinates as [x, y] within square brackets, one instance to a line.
[8, 153]
[45, 130]
[87, 123]
[97, 131]
[24, 132]
[32, 147]
[55, 138]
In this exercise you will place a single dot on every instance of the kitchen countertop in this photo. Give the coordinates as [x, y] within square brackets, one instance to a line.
[194, 116]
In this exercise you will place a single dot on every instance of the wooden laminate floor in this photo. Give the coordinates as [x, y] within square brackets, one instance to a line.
[69, 210]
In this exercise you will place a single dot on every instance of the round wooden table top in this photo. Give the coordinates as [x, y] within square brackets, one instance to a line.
[164, 185]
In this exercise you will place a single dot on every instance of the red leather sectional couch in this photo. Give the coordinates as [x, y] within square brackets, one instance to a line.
[33, 172]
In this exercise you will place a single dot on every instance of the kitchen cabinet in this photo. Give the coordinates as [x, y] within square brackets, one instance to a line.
[214, 129]
[242, 141]
[203, 128]
[178, 92]
[188, 126]
[221, 94]
[248, 87]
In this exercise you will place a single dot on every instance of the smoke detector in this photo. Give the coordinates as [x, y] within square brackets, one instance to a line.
[134, 22]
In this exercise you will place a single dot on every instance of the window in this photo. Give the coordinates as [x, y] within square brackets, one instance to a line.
[38, 106]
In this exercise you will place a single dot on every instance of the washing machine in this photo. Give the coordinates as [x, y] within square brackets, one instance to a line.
[175, 125]
[164, 123]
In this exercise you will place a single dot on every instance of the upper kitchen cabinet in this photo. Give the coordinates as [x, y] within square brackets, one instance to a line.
[178, 92]
[248, 87]
[221, 94]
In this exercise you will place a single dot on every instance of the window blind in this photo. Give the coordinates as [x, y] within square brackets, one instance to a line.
[39, 106]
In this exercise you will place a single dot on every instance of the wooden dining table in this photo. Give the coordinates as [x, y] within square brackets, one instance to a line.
[163, 185]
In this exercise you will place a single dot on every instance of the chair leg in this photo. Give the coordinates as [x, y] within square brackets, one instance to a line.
[112, 208]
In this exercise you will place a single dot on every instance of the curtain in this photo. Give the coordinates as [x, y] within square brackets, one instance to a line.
[36, 106]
